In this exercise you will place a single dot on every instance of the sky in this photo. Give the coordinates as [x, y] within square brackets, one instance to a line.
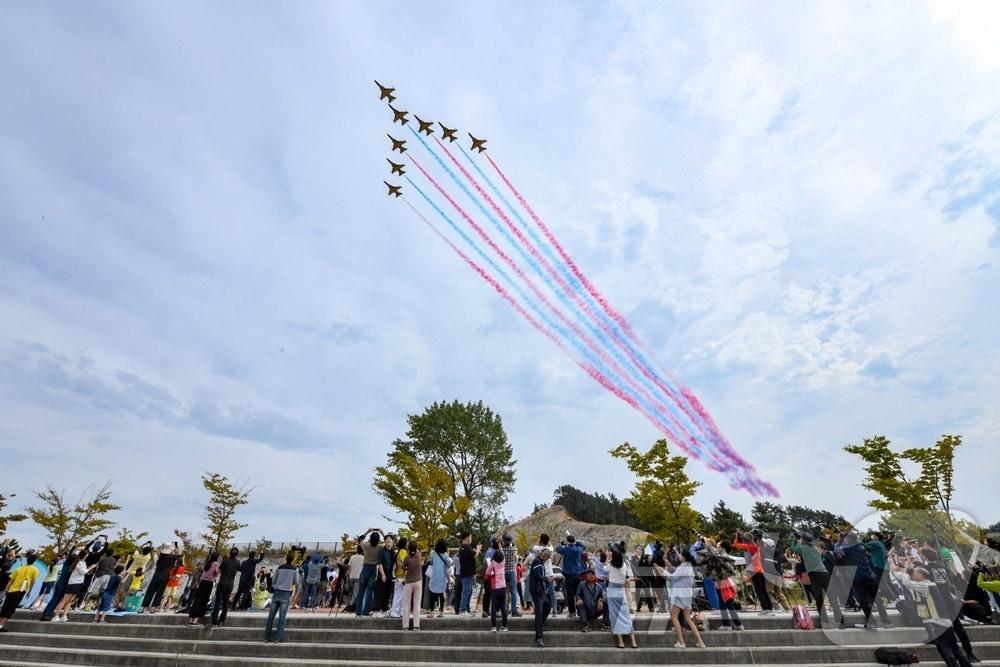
[796, 206]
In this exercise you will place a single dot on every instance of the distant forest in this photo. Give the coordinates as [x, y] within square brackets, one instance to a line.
[593, 507]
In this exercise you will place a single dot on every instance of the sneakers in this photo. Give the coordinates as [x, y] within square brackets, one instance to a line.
[680, 645]
[586, 628]
[503, 629]
[493, 629]
[540, 643]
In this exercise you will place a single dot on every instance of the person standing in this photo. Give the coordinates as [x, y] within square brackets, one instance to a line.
[413, 587]
[369, 572]
[496, 574]
[572, 569]
[399, 578]
[21, 581]
[170, 593]
[196, 615]
[719, 566]
[510, 569]
[618, 574]
[467, 555]
[165, 562]
[812, 561]
[282, 582]
[440, 562]
[384, 583]
[74, 584]
[224, 590]
[863, 585]
[248, 570]
[544, 543]
[539, 581]
[681, 598]
[355, 566]
[105, 568]
[755, 568]
[108, 594]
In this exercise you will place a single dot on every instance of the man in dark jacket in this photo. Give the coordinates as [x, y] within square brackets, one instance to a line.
[864, 584]
[248, 571]
[224, 589]
[572, 569]
[538, 586]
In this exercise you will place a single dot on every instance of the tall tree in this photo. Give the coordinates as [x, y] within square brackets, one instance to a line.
[937, 466]
[468, 442]
[8, 518]
[224, 498]
[885, 476]
[724, 521]
[817, 522]
[771, 518]
[662, 495]
[423, 492]
[67, 523]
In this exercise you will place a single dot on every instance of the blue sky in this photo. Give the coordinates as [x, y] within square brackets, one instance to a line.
[797, 207]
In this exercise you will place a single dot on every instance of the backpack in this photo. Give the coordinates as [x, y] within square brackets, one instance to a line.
[908, 611]
[891, 655]
[801, 619]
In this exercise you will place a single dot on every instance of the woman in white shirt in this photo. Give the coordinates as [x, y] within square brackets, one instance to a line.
[621, 623]
[74, 586]
[681, 579]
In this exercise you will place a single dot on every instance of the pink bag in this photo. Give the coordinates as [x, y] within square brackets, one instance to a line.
[801, 618]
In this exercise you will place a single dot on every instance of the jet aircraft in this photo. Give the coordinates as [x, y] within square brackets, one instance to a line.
[478, 144]
[386, 92]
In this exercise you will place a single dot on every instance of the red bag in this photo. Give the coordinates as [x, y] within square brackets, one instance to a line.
[727, 591]
[801, 618]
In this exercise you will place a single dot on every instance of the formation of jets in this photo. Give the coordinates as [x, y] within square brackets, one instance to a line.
[425, 126]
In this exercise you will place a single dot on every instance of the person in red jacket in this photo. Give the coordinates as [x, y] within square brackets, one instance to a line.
[755, 567]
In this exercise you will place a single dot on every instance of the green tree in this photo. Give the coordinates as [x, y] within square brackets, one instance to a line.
[67, 524]
[126, 542]
[772, 519]
[886, 477]
[8, 518]
[424, 492]
[937, 466]
[662, 494]
[817, 522]
[724, 521]
[220, 512]
[468, 442]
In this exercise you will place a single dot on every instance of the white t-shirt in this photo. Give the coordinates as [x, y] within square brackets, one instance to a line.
[537, 549]
[355, 564]
[79, 573]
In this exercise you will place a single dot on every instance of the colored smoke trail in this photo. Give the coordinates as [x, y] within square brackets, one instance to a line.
[629, 367]
[636, 364]
[722, 448]
[689, 444]
[589, 367]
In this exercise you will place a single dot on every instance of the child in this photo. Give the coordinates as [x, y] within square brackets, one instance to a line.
[134, 600]
[496, 575]
[173, 584]
[109, 593]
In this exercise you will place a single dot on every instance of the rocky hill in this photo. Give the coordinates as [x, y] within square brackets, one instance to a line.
[556, 521]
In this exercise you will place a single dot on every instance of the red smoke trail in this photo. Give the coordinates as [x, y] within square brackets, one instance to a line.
[593, 372]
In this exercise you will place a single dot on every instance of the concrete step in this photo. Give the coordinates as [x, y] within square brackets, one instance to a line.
[505, 650]
[478, 634]
[449, 621]
[28, 656]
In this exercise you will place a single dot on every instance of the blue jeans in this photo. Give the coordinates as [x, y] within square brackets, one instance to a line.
[467, 585]
[279, 601]
[310, 600]
[57, 596]
[512, 587]
[553, 606]
[366, 590]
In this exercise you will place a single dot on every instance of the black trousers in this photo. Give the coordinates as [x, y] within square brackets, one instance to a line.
[570, 584]
[244, 592]
[947, 647]
[154, 594]
[498, 602]
[760, 588]
[542, 608]
[818, 583]
[221, 604]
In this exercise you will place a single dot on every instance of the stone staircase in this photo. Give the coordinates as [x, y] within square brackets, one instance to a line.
[318, 639]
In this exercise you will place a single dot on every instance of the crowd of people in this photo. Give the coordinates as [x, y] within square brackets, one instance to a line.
[602, 587]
